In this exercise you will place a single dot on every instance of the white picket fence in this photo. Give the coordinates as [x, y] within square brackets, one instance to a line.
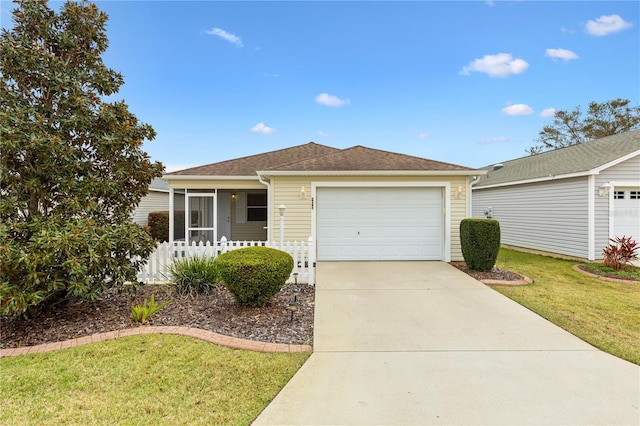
[155, 270]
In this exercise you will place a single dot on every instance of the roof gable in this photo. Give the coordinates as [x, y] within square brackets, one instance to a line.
[572, 160]
[247, 166]
[360, 158]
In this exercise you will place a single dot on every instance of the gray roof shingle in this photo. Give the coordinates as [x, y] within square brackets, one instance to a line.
[316, 157]
[574, 159]
[360, 158]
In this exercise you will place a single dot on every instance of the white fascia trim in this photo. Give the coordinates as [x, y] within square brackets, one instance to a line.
[616, 161]
[617, 183]
[541, 179]
[446, 256]
[207, 177]
[373, 173]
[159, 190]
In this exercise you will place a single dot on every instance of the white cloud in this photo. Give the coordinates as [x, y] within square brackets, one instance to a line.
[231, 38]
[498, 139]
[323, 134]
[517, 109]
[330, 100]
[424, 135]
[490, 3]
[261, 128]
[548, 112]
[500, 65]
[563, 54]
[567, 30]
[606, 25]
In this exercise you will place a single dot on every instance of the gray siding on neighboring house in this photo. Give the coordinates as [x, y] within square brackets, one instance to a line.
[627, 171]
[154, 201]
[550, 216]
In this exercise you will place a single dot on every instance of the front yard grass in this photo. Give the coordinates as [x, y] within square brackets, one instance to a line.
[150, 379]
[605, 314]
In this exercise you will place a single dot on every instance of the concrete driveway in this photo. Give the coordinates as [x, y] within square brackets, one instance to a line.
[417, 343]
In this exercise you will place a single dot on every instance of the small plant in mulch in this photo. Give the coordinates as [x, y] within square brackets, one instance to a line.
[620, 253]
[142, 313]
[629, 273]
[194, 275]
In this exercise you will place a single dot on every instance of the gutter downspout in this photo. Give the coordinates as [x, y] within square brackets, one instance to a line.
[266, 183]
[474, 180]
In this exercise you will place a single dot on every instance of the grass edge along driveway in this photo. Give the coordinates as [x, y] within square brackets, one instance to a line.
[150, 379]
[605, 314]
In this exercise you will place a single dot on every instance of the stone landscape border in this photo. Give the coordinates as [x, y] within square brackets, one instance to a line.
[196, 333]
[523, 281]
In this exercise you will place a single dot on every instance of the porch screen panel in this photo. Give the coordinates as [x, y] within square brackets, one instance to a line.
[200, 219]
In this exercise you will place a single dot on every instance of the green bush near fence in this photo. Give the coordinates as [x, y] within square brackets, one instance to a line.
[159, 225]
[480, 241]
[254, 275]
[194, 275]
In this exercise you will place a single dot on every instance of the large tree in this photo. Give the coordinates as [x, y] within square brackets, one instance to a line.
[72, 167]
[602, 119]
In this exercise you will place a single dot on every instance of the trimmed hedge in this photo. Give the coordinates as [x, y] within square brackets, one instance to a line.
[480, 240]
[159, 225]
[254, 275]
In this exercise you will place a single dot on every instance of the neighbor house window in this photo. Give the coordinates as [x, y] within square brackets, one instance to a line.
[256, 207]
[618, 195]
[634, 195]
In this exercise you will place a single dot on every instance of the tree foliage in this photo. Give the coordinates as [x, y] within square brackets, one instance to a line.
[602, 119]
[72, 168]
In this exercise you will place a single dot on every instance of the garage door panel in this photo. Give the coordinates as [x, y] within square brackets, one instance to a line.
[379, 223]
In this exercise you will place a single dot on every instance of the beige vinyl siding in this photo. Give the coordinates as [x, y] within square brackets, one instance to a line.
[286, 190]
[154, 201]
[550, 216]
[627, 171]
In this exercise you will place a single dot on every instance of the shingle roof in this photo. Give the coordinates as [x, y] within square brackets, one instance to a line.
[574, 159]
[248, 166]
[360, 158]
[316, 157]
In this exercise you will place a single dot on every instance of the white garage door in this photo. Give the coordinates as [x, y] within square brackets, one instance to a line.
[379, 223]
[626, 217]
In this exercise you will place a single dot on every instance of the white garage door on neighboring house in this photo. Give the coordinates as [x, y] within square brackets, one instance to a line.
[626, 217]
[381, 223]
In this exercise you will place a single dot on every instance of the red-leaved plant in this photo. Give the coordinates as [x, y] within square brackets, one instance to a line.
[620, 252]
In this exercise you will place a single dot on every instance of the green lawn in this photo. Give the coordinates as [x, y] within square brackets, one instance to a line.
[603, 313]
[142, 380]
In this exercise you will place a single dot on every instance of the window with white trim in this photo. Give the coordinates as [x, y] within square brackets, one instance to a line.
[618, 195]
[256, 207]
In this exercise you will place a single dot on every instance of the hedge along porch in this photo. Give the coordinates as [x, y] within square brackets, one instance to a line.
[358, 203]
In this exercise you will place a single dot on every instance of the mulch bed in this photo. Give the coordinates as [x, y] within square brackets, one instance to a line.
[605, 274]
[496, 274]
[216, 311]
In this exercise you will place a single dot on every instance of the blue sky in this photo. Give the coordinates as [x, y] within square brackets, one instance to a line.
[470, 83]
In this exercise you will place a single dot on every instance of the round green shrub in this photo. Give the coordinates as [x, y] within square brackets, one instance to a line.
[480, 241]
[194, 275]
[254, 275]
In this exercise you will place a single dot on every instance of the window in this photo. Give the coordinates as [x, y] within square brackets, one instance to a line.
[256, 207]
[634, 195]
[618, 195]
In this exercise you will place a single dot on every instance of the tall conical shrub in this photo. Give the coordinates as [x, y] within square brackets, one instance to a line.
[480, 240]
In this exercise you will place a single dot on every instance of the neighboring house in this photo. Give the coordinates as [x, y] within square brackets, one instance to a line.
[568, 201]
[356, 203]
[155, 201]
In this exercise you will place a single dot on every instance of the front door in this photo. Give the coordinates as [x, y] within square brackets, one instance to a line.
[224, 215]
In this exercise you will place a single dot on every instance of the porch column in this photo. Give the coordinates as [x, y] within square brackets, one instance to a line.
[171, 195]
